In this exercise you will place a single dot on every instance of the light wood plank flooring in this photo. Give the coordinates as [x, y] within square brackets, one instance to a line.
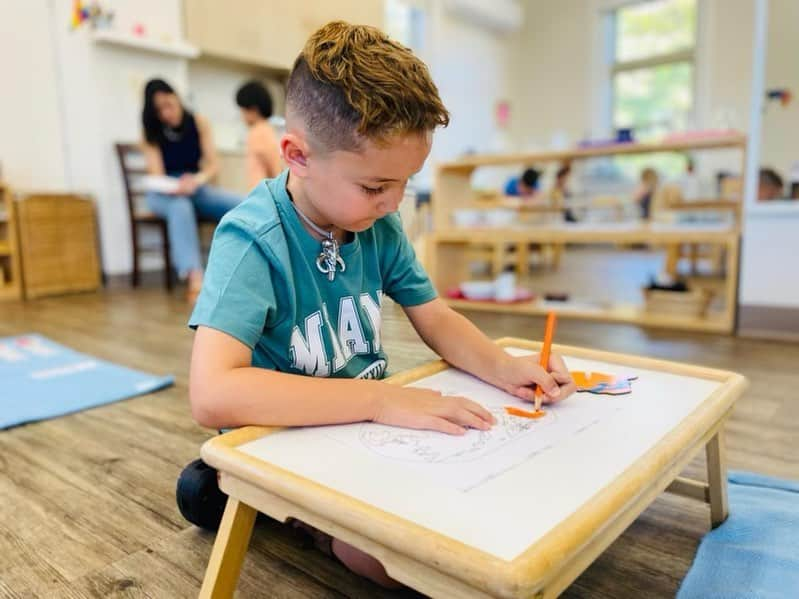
[88, 505]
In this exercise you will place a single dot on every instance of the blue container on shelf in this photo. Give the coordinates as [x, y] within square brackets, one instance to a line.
[624, 135]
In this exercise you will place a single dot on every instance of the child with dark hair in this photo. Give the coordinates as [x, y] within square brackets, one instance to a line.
[524, 186]
[645, 191]
[770, 185]
[263, 153]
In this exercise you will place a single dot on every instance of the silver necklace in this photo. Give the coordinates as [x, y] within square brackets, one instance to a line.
[328, 259]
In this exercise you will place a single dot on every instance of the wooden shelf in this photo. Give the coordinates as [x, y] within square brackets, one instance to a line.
[10, 272]
[447, 258]
[629, 313]
[735, 140]
[447, 252]
[590, 233]
[179, 49]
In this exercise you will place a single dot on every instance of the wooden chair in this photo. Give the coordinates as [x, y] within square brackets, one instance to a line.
[140, 219]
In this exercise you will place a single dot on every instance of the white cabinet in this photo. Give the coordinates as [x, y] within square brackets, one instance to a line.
[268, 33]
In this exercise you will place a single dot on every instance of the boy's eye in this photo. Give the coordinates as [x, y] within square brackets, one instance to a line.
[373, 190]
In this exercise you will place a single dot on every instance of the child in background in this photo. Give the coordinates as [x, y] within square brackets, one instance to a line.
[561, 192]
[525, 186]
[288, 322]
[263, 153]
[770, 185]
[646, 191]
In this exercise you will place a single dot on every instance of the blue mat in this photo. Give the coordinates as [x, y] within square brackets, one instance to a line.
[40, 379]
[755, 553]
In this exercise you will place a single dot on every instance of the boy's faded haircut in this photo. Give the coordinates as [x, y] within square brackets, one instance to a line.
[352, 82]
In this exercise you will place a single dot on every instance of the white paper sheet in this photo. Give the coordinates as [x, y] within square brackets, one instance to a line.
[531, 476]
[159, 183]
[465, 462]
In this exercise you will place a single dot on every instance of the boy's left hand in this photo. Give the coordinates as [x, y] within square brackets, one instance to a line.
[520, 373]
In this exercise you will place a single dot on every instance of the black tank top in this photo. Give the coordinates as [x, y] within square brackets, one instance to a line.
[180, 148]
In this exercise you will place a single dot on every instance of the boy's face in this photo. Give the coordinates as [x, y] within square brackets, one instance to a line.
[352, 189]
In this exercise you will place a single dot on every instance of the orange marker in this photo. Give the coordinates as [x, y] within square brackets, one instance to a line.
[549, 333]
[513, 411]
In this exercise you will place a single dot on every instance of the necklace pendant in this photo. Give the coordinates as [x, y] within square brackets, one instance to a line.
[329, 260]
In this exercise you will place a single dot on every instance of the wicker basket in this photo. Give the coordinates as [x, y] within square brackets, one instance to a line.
[683, 303]
[58, 239]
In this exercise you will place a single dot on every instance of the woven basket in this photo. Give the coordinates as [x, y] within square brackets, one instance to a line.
[58, 242]
[693, 303]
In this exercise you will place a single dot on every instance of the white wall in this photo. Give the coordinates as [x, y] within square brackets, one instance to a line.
[769, 247]
[102, 101]
[31, 133]
[470, 65]
[551, 72]
[72, 99]
[212, 89]
[780, 147]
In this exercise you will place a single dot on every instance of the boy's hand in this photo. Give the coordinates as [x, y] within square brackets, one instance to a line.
[520, 373]
[426, 409]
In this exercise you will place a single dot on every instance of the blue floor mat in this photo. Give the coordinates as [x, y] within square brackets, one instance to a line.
[755, 553]
[40, 379]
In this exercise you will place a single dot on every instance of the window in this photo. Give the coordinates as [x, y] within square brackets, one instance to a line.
[653, 67]
[652, 74]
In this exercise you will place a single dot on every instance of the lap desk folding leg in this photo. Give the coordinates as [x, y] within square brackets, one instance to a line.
[518, 511]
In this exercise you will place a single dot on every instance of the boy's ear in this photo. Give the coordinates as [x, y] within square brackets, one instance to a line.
[295, 152]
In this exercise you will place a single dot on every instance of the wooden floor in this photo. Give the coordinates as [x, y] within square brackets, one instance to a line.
[87, 503]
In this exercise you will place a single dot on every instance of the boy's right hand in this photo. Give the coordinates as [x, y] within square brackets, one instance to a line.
[427, 409]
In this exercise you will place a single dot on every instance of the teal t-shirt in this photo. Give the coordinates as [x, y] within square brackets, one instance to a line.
[262, 287]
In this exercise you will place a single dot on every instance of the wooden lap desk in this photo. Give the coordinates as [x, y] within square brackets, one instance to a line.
[527, 531]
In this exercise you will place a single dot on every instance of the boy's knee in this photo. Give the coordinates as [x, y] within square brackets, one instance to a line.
[363, 564]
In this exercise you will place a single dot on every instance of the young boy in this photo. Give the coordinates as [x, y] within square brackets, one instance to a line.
[288, 321]
[263, 155]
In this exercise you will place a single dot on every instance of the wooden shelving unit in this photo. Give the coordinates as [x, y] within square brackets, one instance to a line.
[10, 277]
[447, 247]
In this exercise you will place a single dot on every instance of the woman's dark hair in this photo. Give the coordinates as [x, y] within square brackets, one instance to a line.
[153, 127]
[254, 95]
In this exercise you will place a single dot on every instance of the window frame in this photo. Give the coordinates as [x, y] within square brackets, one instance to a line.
[607, 67]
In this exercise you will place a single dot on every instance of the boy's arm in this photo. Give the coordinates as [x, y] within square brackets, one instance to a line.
[226, 391]
[462, 344]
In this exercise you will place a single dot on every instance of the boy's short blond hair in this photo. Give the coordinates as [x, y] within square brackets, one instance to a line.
[352, 82]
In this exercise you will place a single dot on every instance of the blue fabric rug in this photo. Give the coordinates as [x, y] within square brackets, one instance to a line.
[755, 553]
[40, 379]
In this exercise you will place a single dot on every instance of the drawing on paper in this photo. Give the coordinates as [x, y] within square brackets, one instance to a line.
[434, 448]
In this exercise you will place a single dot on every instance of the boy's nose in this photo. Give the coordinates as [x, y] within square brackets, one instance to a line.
[389, 206]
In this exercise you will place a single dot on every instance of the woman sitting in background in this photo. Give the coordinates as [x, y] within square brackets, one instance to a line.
[178, 143]
[263, 151]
